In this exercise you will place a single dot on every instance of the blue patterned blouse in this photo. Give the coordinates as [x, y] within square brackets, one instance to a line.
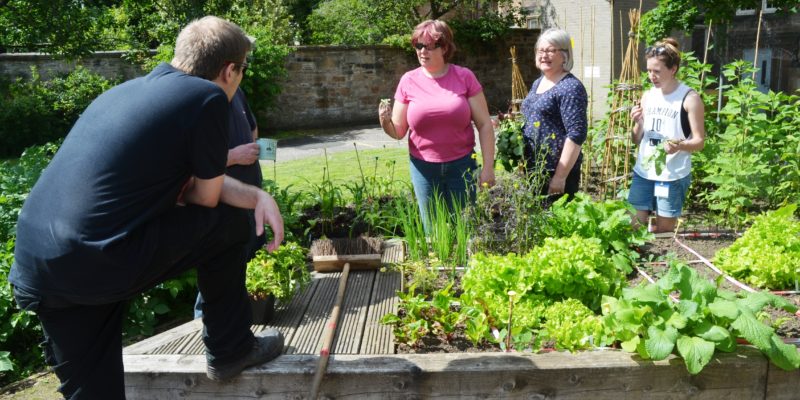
[555, 115]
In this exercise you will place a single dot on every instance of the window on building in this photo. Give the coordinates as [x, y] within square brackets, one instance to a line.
[534, 18]
[767, 6]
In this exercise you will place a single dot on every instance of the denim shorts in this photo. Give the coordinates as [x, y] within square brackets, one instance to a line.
[642, 198]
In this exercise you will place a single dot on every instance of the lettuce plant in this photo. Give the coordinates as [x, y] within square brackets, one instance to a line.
[768, 254]
[570, 325]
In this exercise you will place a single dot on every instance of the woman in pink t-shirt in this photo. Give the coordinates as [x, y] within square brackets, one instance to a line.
[436, 104]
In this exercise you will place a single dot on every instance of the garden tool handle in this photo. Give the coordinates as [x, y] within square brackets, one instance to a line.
[329, 334]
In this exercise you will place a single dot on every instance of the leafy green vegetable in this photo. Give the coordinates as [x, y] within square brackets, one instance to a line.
[609, 221]
[768, 254]
[280, 273]
[571, 270]
[510, 143]
[646, 320]
[418, 317]
[570, 325]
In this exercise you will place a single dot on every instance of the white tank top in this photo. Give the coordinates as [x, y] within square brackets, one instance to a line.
[662, 121]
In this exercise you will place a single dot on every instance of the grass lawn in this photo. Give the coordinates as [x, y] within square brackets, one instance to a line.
[344, 167]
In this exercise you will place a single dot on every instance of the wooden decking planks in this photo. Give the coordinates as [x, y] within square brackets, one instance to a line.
[378, 338]
[369, 295]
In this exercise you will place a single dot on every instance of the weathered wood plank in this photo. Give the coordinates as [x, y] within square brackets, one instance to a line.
[378, 338]
[354, 312]
[288, 317]
[782, 385]
[313, 322]
[596, 375]
[164, 338]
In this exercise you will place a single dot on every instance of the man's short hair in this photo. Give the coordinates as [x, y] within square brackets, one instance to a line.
[207, 44]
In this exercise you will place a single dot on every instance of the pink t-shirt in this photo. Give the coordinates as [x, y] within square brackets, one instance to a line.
[439, 117]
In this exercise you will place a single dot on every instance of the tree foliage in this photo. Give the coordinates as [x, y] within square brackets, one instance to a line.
[356, 22]
[66, 27]
[682, 14]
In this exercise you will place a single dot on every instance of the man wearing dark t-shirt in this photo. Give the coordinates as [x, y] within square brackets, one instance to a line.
[137, 195]
[243, 165]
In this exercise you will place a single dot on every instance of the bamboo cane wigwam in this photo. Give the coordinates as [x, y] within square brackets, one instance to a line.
[618, 154]
[518, 89]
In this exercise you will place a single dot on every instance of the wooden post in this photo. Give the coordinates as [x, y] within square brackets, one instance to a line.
[758, 37]
[705, 53]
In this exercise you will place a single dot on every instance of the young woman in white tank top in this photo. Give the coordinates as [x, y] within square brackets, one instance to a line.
[660, 120]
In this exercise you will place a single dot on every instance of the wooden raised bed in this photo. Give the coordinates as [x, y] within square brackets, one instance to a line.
[363, 366]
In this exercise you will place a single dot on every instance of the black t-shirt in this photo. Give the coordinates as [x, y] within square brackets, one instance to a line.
[241, 132]
[90, 222]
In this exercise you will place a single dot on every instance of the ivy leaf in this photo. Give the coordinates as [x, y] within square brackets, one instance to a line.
[696, 352]
[660, 343]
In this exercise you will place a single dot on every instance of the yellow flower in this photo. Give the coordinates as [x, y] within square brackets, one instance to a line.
[536, 124]
[474, 156]
[552, 136]
[516, 186]
[485, 184]
[519, 137]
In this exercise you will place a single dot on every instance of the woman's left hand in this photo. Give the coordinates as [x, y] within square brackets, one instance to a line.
[557, 185]
[671, 146]
[487, 177]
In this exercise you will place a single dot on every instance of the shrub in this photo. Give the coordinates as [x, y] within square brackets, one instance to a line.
[35, 111]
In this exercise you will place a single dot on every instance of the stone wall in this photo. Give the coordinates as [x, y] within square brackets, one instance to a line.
[110, 64]
[332, 85]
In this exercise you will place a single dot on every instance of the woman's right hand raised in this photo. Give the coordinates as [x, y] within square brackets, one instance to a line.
[385, 110]
[636, 112]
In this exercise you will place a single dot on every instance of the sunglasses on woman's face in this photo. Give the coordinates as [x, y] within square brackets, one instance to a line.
[430, 47]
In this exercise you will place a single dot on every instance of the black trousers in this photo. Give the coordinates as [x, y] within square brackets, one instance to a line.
[83, 343]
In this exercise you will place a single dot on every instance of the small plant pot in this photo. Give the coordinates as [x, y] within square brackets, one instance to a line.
[263, 310]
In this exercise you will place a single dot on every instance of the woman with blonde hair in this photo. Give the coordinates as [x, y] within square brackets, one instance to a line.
[668, 127]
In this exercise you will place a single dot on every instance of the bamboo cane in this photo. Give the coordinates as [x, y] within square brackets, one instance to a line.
[330, 332]
[705, 53]
[758, 38]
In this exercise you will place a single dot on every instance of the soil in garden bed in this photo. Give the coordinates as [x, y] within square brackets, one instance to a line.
[785, 324]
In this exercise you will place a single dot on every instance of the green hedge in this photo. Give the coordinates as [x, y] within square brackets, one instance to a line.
[34, 111]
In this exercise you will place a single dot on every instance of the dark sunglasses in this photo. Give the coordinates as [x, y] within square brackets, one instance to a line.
[658, 50]
[420, 46]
